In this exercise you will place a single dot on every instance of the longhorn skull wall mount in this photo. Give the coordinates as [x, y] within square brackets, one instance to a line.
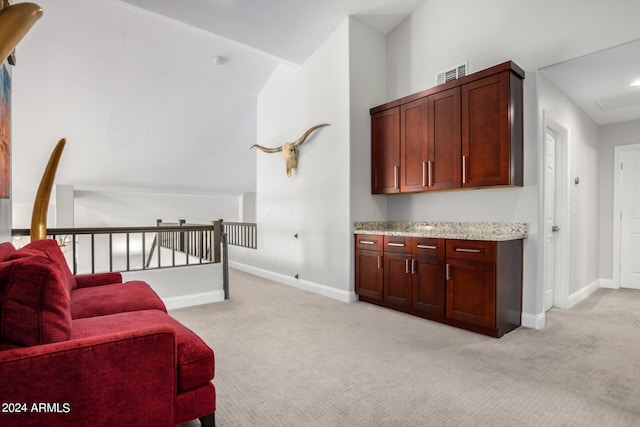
[290, 150]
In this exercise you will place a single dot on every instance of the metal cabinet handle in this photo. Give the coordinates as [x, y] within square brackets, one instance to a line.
[398, 245]
[474, 251]
[367, 242]
[427, 247]
[424, 174]
[406, 265]
[464, 169]
[379, 261]
[413, 266]
[448, 271]
[395, 177]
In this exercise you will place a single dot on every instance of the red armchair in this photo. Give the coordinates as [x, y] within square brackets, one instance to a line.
[78, 350]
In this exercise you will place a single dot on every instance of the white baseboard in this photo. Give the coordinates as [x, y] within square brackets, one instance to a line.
[608, 283]
[316, 288]
[535, 321]
[583, 293]
[182, 301]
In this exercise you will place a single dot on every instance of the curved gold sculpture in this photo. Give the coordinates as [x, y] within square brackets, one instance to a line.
[15, 22]
[41, 204]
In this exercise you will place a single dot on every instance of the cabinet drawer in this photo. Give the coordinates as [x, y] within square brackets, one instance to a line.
[368, 242]
[397, 244]
[427, 246]
[472, 250]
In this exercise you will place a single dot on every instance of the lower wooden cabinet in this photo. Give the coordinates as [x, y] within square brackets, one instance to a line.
[369, 274]
[476, 285]
[471, 292]
[397, 279]
[369, 278]
[427, 292]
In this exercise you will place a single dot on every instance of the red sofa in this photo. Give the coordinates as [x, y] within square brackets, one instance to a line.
[91, 350]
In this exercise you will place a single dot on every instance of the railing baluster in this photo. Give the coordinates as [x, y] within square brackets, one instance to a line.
[128, 266]
[160, 246]
[73, 254]
[93, 253]
[110, 251]
[201, 243]
[144, 252]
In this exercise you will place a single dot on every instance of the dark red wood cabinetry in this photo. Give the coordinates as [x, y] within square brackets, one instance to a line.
[385, 151]
[369, 267]
[475, 285]
[397, 279]
[492, 131]
[413, 274]
[461, 134]
[428, 268]
[414, 146]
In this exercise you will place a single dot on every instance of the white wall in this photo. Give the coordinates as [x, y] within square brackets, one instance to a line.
[534, 34]
[611, 136]
[183, 286]
[584, 198]
[137, 208]
[314, 202]
[367, 77]
[132, 92]
[441, 34]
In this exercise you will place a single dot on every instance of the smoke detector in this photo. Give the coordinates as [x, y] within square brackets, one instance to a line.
[219, 60]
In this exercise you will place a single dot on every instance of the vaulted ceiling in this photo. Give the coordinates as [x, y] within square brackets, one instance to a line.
[288, 30]
[203, 148]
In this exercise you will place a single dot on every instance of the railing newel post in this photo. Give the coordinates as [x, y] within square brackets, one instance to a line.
[225, 265]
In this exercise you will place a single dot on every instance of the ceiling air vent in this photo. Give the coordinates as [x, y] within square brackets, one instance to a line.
[618, 101]
[452, 73]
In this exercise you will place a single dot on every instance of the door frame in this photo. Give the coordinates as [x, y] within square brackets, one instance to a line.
[562, 212]
[618, 153]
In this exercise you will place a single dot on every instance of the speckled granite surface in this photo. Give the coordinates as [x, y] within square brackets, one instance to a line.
[494, 231]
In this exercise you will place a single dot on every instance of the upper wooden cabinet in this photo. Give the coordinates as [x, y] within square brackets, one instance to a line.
[385, 151]
[462, 134]
[444, 140]
[492, 131]
[414, 145]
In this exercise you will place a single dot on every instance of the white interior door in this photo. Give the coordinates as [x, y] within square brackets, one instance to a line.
[630, 220]
[549, 218]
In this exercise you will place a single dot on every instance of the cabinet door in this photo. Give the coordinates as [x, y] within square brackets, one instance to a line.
[414, 146]
[443, 167]
[385, 151]
[471, 292]
[397, 279]
[369, 277]
[428, 285]
[486, 132]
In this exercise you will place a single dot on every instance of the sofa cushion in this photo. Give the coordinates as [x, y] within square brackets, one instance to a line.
[195, 357]
[34, 303]
[114, 298]
[48, 248]
[6, 249]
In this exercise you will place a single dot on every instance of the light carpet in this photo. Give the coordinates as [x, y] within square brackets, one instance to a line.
[286, 357]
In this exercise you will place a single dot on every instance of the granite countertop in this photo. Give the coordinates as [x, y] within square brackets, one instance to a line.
[493, 231]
